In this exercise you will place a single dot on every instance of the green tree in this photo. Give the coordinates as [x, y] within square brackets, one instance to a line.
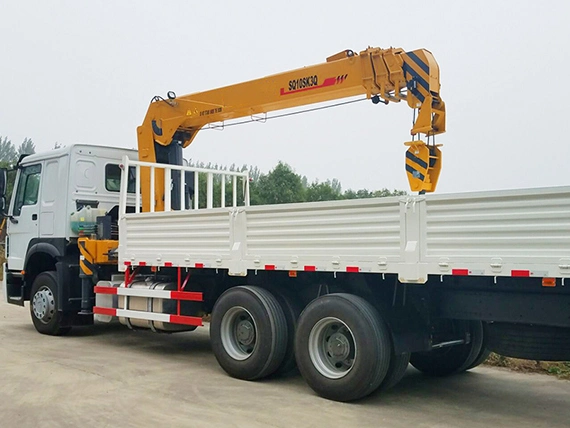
[217, 183]
[365, 193]
[385, 192]
[281, 185]
[8, 154]
[8, 158]
[358, 194]
[326, 191]
[26, 148]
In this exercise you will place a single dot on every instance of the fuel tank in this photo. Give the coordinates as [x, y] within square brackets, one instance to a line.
[147, 304]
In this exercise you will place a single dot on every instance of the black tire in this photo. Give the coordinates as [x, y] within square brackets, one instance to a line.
[44, 307]
[484, 352]
[453, 359]
[248, 332]
[292, 311]
[481, 358]
[530, 342]
[354, 329]
[396, 371]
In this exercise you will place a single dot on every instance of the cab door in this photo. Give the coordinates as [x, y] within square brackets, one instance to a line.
[23, 222]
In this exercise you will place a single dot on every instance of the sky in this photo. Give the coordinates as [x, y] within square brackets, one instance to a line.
[85, 71]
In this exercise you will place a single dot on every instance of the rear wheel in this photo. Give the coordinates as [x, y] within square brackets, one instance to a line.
[291, 310]
[248, 332]
[44, 307]
[481, 358]
[452, 359]
[396, 371]
[343, 347]
[530, 342]
[484, 352]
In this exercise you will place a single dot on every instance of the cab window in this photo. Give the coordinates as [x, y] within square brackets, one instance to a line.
[28, 187]
[113, 178]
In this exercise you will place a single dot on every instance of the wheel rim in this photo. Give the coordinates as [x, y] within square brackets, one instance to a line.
[43, 305]
[238, 333]
[332, 348]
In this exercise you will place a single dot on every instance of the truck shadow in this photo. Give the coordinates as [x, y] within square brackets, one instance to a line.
[119, 336]
[487, 395]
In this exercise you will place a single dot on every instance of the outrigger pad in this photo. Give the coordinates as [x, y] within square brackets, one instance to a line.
[423, 164]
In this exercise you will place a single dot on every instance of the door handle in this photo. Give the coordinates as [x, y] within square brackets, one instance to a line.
[34, 216]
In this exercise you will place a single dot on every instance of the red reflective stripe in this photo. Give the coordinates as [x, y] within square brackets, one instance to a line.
[142, 263]
[167, 264]
[352, 269]
[180, 319]
[520, 273]
[269, 267]
[329, 81]
[127, 263]
[199, 265]
[105, 290]
[187, 295]
[310, 268]
[105, 311]
[460, 272]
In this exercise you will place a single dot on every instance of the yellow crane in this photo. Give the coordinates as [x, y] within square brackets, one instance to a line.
[382, 75]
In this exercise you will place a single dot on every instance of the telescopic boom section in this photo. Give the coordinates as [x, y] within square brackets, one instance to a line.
[383, 75]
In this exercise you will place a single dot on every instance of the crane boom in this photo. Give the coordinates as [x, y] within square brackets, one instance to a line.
[382, 75]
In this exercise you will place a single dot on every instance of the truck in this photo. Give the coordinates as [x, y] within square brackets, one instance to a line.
[348, 292]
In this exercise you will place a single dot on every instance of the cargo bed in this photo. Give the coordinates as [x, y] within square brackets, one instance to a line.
[498, 233]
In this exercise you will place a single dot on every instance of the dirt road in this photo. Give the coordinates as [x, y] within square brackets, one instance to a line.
[109, 376]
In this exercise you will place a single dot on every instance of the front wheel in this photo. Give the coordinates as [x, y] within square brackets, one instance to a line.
[44, 306]
[342, 346]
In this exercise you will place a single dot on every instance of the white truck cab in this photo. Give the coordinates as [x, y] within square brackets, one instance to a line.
[50, 188]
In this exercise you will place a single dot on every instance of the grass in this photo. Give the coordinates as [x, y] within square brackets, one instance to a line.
[558, 369]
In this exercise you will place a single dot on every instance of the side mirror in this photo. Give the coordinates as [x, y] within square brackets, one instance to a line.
[3, 181]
